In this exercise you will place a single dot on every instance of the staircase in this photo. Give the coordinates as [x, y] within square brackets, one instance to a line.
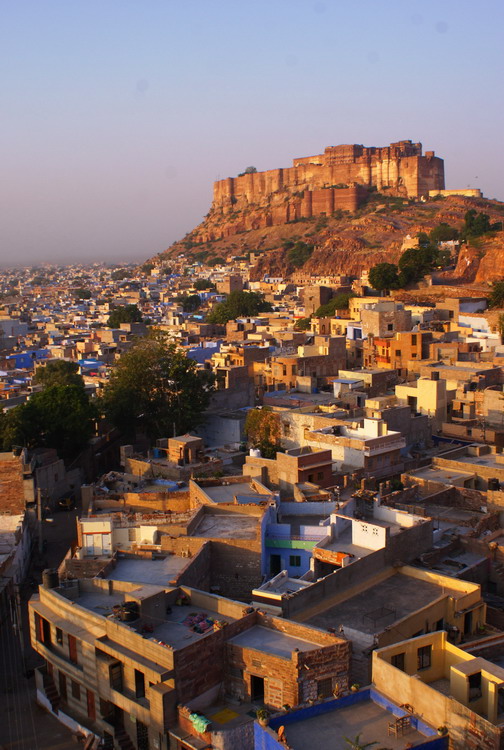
[51, 692]
[122, 739]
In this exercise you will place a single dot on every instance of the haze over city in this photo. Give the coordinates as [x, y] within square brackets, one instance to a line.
[118, 117]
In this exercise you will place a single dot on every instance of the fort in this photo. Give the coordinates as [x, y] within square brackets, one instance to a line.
[340, 178]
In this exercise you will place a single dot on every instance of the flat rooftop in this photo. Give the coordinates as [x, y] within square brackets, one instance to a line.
[344, 544]
[157, 572]
[176, 630]
[272, 642]
[381, 604]
[227, 526]
[328, 730]
[225, 493]
[445, 476]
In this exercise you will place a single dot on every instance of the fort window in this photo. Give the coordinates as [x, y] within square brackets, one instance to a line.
[424, 657]
[475, 691]
[398, 661]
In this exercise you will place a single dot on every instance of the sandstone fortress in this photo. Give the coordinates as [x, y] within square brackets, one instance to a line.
[340, 178]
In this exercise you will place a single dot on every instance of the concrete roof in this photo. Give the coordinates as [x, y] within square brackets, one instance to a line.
[227, 526]
[157, 572]
[272, 642]
[225, 493]
[399, 593]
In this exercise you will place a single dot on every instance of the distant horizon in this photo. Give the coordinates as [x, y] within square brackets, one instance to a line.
[119, 117]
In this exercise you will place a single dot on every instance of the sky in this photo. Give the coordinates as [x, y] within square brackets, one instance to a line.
[118, 115]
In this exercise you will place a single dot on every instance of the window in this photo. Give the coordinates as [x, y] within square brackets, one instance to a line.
[324, 687]
[295, 561]
[398, 661]
[320, 475]
[424, 655]
[398, 352]
[72, 649]
[413, 339]
[59, 636]
[310, 477]
[474, 681]
[390, 327]
[116, 676]
[76, 690]
[139, 684]
[236, 672]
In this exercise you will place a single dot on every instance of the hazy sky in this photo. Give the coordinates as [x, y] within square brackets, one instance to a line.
[118, 115]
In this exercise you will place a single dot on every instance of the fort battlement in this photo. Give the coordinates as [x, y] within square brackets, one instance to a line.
[340, 178]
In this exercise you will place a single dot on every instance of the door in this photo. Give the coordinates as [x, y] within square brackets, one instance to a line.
[468, 623]
[91, 709]
[275, 564]
[256, 688]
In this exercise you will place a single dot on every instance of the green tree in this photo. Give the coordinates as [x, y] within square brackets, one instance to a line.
[121, 273]
[443, 233]
[216, 261]
[358, 744]
[302, 324]
[262, 427]
[58, 372]
[147, 268]
[124, 314]
[238, 305]
[247, 170]
[476, 224]
[496, 298]
[500, 327]
[190, 302]
[156, 390]
[202, 284]
[59, 417]
[340, 301]
[81, 293]
[298, 252]
[384, 277]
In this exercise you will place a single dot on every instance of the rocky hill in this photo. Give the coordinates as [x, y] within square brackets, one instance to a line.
[350, 243]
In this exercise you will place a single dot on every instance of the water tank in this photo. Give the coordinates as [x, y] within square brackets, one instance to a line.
[50, 578]
[255, 452]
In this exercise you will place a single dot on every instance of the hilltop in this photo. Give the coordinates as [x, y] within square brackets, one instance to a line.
[351, 243]
[353, 206]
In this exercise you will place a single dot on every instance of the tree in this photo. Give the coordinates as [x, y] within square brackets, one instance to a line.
[384, 277]
[500, 327]
[248, 170]
[121, 273]
[124, 314]
[496, 298]
[443, 233]
[81, 293]
[58, 372]
[217, 261]
[298, 252]
[340, 301]
[202, 284]
[262, 427]
[59, 417]
[358, 744]
[238, 305]
[189, 302]
[156, 390]
[147, 268]
[477, 224]
[302, 324]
